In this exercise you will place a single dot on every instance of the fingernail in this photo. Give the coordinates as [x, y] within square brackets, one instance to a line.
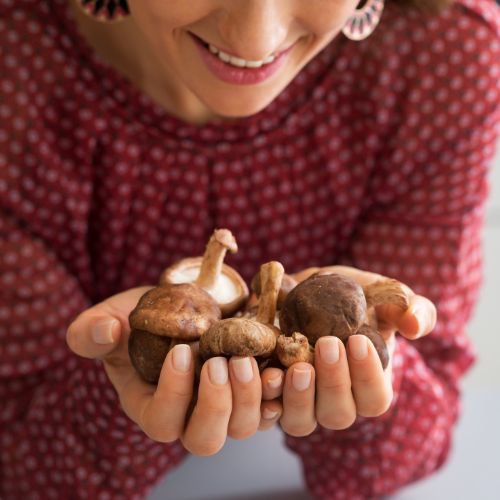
[102, 331]
[181, 357]
[217, 371]
[329, 350]
[275, 382]
[301, 379]
[358, 347]
[242, 368]
[268, 414]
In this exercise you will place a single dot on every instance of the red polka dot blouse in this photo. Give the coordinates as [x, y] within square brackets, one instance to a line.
[375, 156]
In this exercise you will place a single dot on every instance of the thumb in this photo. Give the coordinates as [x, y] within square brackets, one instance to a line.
[94, 334]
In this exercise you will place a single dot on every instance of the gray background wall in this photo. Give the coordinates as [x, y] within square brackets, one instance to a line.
[262, 469]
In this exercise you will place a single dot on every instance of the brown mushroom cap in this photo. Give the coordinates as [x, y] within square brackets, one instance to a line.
[378, 341]
[229, 291]
[148, 351]
[324, 305]
[183, 311]
[238, 337]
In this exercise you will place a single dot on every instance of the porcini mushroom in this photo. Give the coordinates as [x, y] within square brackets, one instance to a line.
[248, 336]
[209, 272]
[334, 304]
[165, 316]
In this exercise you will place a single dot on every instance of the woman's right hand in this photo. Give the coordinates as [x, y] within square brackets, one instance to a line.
[229, 394]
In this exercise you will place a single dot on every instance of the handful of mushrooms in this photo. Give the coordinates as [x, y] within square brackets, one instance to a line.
[333, 304]
[195, 293]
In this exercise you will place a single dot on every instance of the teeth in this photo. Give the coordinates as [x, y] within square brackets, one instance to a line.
[237, 61]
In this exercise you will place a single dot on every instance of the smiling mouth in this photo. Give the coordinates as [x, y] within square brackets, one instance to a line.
[233, 60]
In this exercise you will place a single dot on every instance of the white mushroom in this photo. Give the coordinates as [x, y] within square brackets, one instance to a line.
[209, 272]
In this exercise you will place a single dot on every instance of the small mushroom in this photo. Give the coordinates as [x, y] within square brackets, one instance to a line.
[165, 316]
[333, 304]
[293, 349]
[209, 272]
[245, 336]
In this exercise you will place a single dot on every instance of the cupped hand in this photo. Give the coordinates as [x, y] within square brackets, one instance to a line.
[229, 395]
[345, 381]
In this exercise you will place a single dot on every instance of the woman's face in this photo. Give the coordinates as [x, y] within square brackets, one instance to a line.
[251, 32]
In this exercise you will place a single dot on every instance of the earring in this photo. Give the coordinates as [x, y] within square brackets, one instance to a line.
[364, 21]
[106, 10]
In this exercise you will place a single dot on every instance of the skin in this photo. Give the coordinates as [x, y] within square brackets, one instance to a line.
[336, 395]
[153, 49]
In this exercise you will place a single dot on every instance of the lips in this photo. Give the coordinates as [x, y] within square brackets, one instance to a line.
[236, 75]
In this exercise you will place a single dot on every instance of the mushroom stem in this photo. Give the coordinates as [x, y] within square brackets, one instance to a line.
[220, 242]
[271, 275]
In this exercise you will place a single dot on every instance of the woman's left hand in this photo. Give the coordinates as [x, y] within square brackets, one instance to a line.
[344, 382]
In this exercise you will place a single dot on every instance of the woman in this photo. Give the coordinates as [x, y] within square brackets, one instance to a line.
[320, 133]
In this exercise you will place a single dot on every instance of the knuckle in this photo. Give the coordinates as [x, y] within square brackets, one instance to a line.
[335, 385]
[176, 393]
[298, 405]
[219, 410]
[247, 401]
[242, 432]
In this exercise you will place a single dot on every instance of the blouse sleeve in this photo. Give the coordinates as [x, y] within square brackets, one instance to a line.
[63, 433]
[423, 226]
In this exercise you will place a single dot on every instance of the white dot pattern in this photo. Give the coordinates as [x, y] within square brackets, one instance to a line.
[376, 156]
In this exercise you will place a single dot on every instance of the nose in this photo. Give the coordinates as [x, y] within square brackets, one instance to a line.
[254, 29]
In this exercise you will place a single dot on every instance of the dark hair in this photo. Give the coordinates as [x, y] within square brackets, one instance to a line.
[429, 6]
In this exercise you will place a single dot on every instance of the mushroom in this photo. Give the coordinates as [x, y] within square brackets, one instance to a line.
[294, 348]
[288, 283]
[333, 304]
[209, 272]
[165, 316]
[247, 336]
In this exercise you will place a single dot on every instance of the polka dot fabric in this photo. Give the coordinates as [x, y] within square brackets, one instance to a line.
[376, 156]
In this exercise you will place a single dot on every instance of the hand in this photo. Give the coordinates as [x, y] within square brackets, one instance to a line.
[227, 405]
[345, 383]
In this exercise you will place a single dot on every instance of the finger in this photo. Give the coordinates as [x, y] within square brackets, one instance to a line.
[371, 388]
[246, 397]
[418, 320]
[298, 417]
[93, 336]
[305, 273]
[363, 278]
[335, 406]
[97, 331]
[162, 415]
[271, 412]
[272, 383]
[206, 431]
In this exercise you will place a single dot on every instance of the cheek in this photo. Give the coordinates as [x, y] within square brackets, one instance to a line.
[325, 18]
[170, 14]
